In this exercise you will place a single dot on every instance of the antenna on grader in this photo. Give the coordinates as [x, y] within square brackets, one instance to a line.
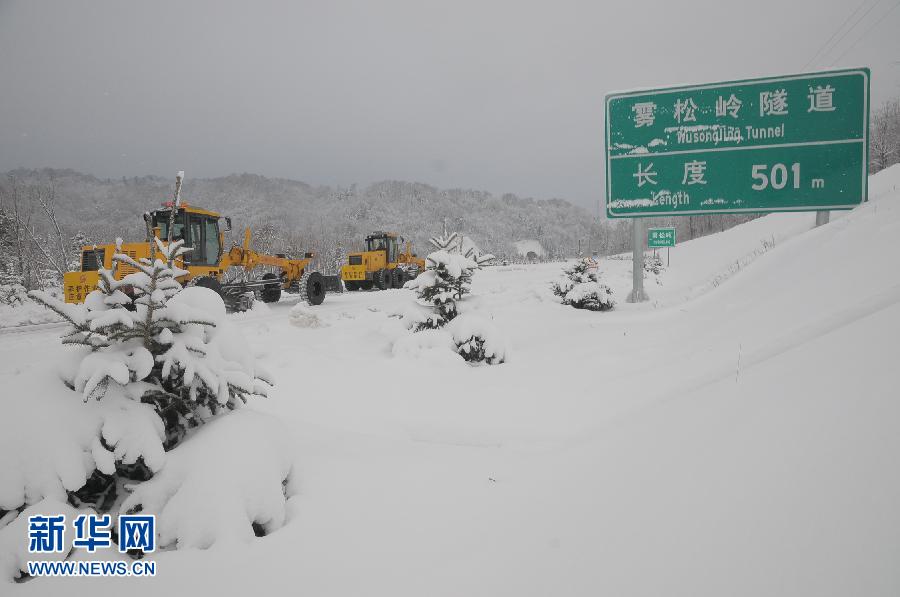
[176, 203]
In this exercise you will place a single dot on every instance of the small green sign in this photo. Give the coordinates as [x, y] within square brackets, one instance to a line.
[660, 237]
[790, 143]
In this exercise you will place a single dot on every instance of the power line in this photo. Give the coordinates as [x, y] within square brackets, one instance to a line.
[852, 27]
[833, 35]
[866, 32]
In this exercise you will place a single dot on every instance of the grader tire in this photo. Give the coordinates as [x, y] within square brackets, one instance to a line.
[397, 278]
[366, 285]
[271, 293]
[312, 288]
[383, 279]
[351, 285]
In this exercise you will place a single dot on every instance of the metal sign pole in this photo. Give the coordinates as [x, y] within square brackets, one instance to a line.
[822, 217]
[637, 257]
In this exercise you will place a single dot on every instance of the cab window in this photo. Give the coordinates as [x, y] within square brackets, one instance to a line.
[376, 244]
[198, 255]
[392, 250]
[204, 240]
[212, 242]
[161, 219]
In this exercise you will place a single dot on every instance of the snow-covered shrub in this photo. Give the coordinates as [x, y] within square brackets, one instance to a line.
[592, 296]
[478, 339]
[581, 288]
[164, 354]
[445, 281]
[14, 554]
[13, 294]
[653, 263]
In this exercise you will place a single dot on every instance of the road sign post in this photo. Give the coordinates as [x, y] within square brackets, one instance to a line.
[786, 143]
[637, 262]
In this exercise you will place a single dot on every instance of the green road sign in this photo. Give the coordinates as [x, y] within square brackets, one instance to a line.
[660, 237]
[791, 143]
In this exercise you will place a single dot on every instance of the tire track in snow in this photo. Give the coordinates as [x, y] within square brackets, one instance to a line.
[32, 328]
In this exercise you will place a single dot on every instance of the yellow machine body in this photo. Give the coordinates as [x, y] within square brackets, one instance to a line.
[375, 265]
[202, 232]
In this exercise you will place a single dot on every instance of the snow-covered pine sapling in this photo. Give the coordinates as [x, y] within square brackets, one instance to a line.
[480, 259]
[158, 344]
[580, 287]
[452, 242]
[445, 281]
[442, 285]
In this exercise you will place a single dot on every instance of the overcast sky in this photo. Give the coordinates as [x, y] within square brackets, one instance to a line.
[499, 96]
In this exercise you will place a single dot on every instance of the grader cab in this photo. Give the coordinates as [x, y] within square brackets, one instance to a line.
[208, 262]
[382, 265]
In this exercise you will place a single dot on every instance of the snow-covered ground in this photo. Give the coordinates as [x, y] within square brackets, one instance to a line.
[735, 435]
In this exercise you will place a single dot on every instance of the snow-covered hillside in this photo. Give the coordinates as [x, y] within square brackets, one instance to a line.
[735, 435]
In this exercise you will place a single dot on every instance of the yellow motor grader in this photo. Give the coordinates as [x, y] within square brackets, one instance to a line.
[207, 262]
[382, 265]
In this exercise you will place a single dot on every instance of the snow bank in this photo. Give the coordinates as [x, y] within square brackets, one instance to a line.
[232, 475]
[885, 184]
[303, 316]
[434, 345]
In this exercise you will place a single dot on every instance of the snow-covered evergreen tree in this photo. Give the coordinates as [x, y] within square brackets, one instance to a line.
[445, 281]
[146, 339]
[581, 287]
[443, 285]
